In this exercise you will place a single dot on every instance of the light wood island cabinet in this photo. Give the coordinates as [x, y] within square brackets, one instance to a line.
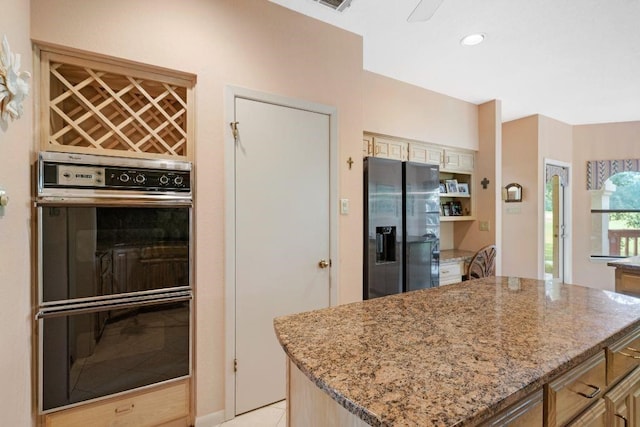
[494, 354]
[627, 275]
[623, 402]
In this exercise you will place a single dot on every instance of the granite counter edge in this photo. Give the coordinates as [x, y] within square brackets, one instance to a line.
[483, 413]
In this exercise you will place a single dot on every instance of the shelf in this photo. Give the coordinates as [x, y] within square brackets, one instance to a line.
[457, 218]
[442, 195]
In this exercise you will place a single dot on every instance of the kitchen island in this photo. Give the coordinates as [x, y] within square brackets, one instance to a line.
[458, 355]
[627, 275]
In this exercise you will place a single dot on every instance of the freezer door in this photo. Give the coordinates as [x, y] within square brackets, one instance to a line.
[421, 226]
[422, 265]
[383, 235]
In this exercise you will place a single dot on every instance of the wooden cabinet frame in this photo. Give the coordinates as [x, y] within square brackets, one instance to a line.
[95, 104]
[454, 164]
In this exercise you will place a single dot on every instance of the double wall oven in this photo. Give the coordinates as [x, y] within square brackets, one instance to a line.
[114, 276]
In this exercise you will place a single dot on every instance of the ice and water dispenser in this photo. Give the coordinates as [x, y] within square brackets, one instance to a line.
[385, 244]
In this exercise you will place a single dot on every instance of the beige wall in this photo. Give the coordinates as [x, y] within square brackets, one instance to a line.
[555, 143]
[540, 138]
[595, 142]
[555, 140]
[253, 44]
[527, 142]
[15, 268]
[467, 234]
[520, 220]
[402, 110]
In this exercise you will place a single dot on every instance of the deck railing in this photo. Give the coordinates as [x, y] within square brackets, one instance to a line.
[623, 242]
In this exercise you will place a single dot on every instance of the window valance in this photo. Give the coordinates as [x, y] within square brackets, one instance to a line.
[598, 171]
[562, 172]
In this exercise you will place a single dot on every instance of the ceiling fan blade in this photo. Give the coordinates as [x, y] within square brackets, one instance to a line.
[424, 10]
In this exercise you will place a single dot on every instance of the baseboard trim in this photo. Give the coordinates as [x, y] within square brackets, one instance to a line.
[210, 420]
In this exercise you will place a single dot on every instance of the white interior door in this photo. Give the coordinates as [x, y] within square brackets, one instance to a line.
[282, 231]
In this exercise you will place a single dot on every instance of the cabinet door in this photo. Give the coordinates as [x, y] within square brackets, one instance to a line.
[595, 416]
[458, 161]
[390, 149]
[367, 146]
[421, 153]
[623, 402]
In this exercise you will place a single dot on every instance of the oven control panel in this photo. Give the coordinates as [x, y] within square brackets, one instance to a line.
[77, 176]
[147, 179]
[57, 174]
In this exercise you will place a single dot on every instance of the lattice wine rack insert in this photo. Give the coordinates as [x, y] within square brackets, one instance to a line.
[101, 106]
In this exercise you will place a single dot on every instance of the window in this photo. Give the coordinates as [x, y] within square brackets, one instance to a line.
[615, 216]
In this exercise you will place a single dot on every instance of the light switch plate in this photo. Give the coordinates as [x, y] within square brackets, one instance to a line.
[344, 206]
[484, 225]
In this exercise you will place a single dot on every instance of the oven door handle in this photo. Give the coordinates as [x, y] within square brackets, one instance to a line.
[139, 201]
[96, 306]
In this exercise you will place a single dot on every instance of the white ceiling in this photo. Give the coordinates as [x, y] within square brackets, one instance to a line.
[577, 61]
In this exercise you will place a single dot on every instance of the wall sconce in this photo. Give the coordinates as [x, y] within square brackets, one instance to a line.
[512, 193]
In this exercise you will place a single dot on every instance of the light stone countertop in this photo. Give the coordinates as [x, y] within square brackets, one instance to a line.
[454, 355]
[631, 263]
[455, 255]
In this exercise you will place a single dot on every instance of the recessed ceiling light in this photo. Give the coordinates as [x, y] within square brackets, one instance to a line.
[472, 39]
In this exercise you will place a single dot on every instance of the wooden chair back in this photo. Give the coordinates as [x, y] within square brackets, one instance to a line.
[483, 263]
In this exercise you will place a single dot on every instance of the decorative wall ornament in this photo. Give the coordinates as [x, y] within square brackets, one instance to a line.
[598, 171]
[14, 85]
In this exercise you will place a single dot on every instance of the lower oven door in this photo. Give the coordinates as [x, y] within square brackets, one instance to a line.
[89, 352]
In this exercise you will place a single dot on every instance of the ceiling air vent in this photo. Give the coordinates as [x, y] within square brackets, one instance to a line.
[338, 5]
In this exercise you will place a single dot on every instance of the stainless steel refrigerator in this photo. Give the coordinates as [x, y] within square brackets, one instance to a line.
[401, 227]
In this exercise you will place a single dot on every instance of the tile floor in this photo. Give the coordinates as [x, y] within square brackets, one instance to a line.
[270, 416]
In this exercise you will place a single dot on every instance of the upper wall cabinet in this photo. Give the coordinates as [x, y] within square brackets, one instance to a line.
[421, 153]
[457, 195]
[458, 161]
[92, 104]
[450, 160]
[367, 146]
[390, 148]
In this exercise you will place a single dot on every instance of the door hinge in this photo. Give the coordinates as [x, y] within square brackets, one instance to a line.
[235, 365]
[234, 130]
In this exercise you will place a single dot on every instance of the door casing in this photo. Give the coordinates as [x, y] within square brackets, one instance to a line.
[567, 212]
[231, 93]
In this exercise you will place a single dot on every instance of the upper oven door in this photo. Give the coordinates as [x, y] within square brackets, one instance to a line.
[99, 251]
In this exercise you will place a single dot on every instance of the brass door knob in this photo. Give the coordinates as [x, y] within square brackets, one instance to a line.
[324, 263]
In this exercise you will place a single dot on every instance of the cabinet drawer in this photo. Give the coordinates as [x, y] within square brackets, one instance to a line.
[623, 356]
[450, 269]
[152, 408]
[450, 272]
[595, 416]
[526, 412]
[571, 393]
[627, 282]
